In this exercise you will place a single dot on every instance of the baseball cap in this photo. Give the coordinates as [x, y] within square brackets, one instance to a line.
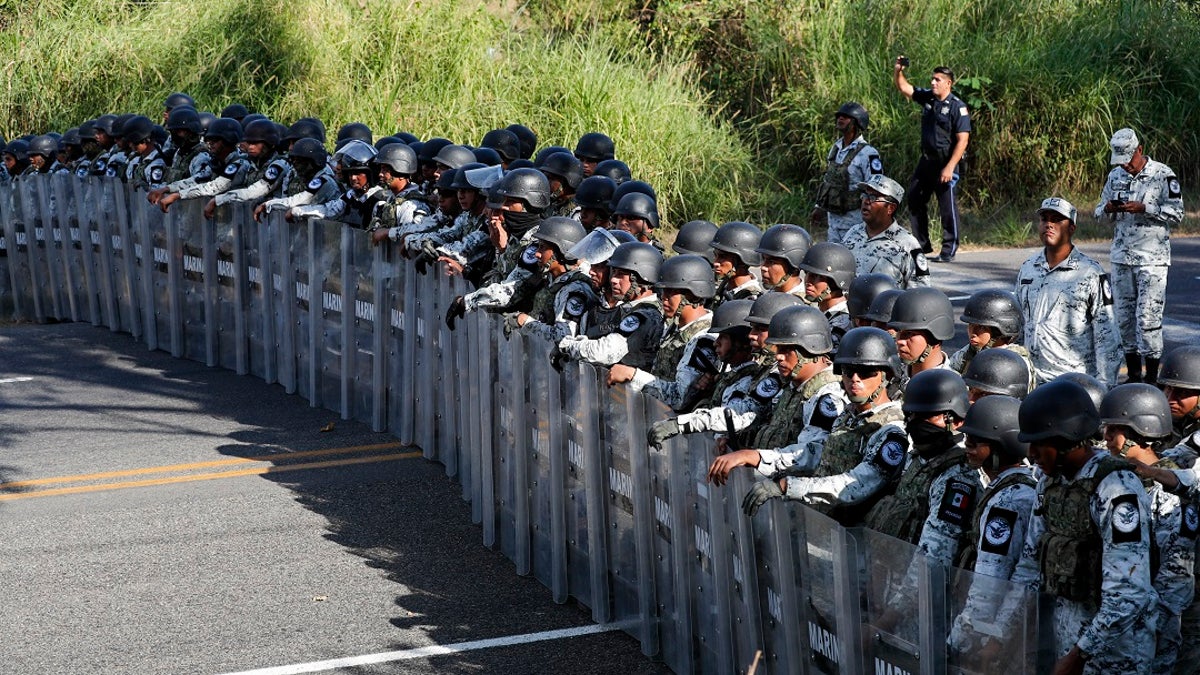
[1124, 143]
[885, 186]
[1060, 206]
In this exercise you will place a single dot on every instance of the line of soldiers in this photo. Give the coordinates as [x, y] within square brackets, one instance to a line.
[819, 365]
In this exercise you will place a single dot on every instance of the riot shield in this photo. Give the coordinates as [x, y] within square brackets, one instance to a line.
[585, 522]
[227, 340]
[427, 367]
[404, 369]
[708, 562]
[256, 275]
[826, 572]
[397, 373]
[7, 303]
[465, 407]
[668, 490]
[360, 352]
[975, 603]
[194, 283]
[55, 254]
[327, 306]
[288, 261]
[126, 262]
[744, 599]
[159, 284]
[494, 415]
[71, 236]
[98, 208]
[774, 531]
[542, 443]
[303, 292]
[510, 453]
[44, 298]
[18, 272]
[903, 597]
[447, 372]
[98, 284]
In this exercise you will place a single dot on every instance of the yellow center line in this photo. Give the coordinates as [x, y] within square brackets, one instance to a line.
[168, 480]
[199, 465]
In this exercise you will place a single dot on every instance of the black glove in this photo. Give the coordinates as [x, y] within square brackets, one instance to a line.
[422, 265]
[558, 358]
[661, 431]
[428, 251]
[791, 472]
[761, 493]
[510, 324]
[456, 310]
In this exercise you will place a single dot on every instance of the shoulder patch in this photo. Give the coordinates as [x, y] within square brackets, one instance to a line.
[1189, 524]
[704, 357]
[892, 452]
[630, 324]
[962, 111]
[767, 388]
[576, 305]
[876, 164]
[1173, 190]
[100, 165]
[920, 262]
[1106, 290]
[998, 531]
[315, 184]
[230, 171]
[957, 503]
[529, 255]
[825, 412]
[156, 174]
[1126, 520]
[272, 173]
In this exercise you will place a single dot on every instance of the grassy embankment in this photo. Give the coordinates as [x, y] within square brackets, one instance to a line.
[724, 105]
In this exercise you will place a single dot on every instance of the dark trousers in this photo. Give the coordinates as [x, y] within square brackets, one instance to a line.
[926, 182]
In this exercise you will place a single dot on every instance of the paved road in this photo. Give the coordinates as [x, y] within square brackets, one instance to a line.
[975, 270]
[200, 522]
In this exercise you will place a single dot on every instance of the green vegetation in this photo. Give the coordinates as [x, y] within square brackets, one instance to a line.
[724, 105]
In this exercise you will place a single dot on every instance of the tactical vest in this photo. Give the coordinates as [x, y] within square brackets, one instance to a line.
[1071, 550]
[968, 553]
[670, 351]
[543, 301]
[835, 194]
[787, 417]
[844, 451]
[902, 514]
[181, 166]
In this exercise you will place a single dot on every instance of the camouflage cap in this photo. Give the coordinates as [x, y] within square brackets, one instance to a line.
[1124, 143]
[1060, 206]
[882, 185]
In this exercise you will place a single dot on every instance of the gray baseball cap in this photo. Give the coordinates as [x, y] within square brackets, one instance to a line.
[1060, 206]
[882, 185]
[1124, 143]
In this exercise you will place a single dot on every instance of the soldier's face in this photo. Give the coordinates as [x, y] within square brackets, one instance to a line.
[620, 281]
[843, 123]
[358, 180]
[1045, 456]
[255, 149]
[861, 381]
[589, 166]
[723, 346]
[599, 274]
[1055, 229]
[723, 263]
[1181, 399]
[545, 252]
[773, 269]
[671, 301]
[787, 357]
[447, 200]
[638, 227]
[876, 209]
[758, 335]
[815, 284]
[911, 344]
[592, 218]
[10, 162]
[466, 198]
[978, 451]
[37, 161]
[1115, 436]
[978, 336]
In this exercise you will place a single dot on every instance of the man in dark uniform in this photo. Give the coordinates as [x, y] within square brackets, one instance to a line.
[945, 129]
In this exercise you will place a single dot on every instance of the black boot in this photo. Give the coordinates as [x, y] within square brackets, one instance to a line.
[1151, 371]
[1133, 364]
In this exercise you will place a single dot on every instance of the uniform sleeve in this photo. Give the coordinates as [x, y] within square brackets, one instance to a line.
[961, 118]
[1120, 509]
[325, 210]
[820, 412]
[1175, 531]
[206, 189]
[1106, 196]
[1104, 332]
[1166, 208]
[603, 351]
[498, 295]
[883, 462]
[687, 371]
[570, 305]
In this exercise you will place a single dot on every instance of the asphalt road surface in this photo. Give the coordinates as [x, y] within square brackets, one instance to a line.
[163, 517]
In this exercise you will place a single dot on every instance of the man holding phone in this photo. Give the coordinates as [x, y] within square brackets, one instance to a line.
[1143, 199]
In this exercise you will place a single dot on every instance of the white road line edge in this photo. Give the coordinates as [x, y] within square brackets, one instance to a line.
[12, 380]
[432, 650]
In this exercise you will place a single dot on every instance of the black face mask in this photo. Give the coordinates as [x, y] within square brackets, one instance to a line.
[519, 222]
[930, 440]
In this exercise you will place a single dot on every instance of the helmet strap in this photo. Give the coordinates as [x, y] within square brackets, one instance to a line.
[870, 398]
[782, 282]
[920, 359]
[822, 297]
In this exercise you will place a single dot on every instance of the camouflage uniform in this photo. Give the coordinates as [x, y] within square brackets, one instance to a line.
[228, 174]
[839, 321]
[1001, 519]
[149, 173]
[784, 421]
[960, 359]
[1176, 523]
[1068, 318]
[633, 343]
[559, 307]
[732, 388]
[1141, 251]
[321, 188]
[465, 241]
[863, 458]
[518, 278]
[1088, 543]
[111, 164]
[686, 353]
[195, 162]
[746, 291]
[857, 162]
[352, 206]
[822, 400]
[262, 180]
[894, 252]
[762, 388]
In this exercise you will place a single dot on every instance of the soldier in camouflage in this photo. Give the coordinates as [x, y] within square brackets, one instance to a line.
[396, 166]
[828, 269]
[811, 400]
[850, 161]
[309, 169]
[993, 546]
[230, 167]
[559, 307]
[1066, 302]
[191, 158]
[1088, 542]
[783, 247]
[147, 169]
[565, 173]
[1144, 200]
[734, 255]
[879, 244]
[998, 371]
[268, 170]
[993, 320]
[686, 353]
[1137, 420]
[466, 244]
[867, 449]
[923, 319]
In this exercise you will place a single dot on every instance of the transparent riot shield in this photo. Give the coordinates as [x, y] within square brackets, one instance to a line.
[125, 244]
[427, 371]
[492, 438]
[465, 405]
[254, 281]
[668, 490]
[194, 283]
[743, 599]
[45, 302]
[360, 351]
[287, 283]
[228, 311]
[96, 206]
[709, 562]
[827, 574]
[7, 302]
[97, 281]
[159, 284]
[585, 517]
[542, 441]
[774, 531]
[398, 373]
[448, 439]
[510, 452]
[303, 293]
[404, 368]
[54, 249]
[328, 304]
[85, 305]
[18, 272]
[976, 621]
[903, 597]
